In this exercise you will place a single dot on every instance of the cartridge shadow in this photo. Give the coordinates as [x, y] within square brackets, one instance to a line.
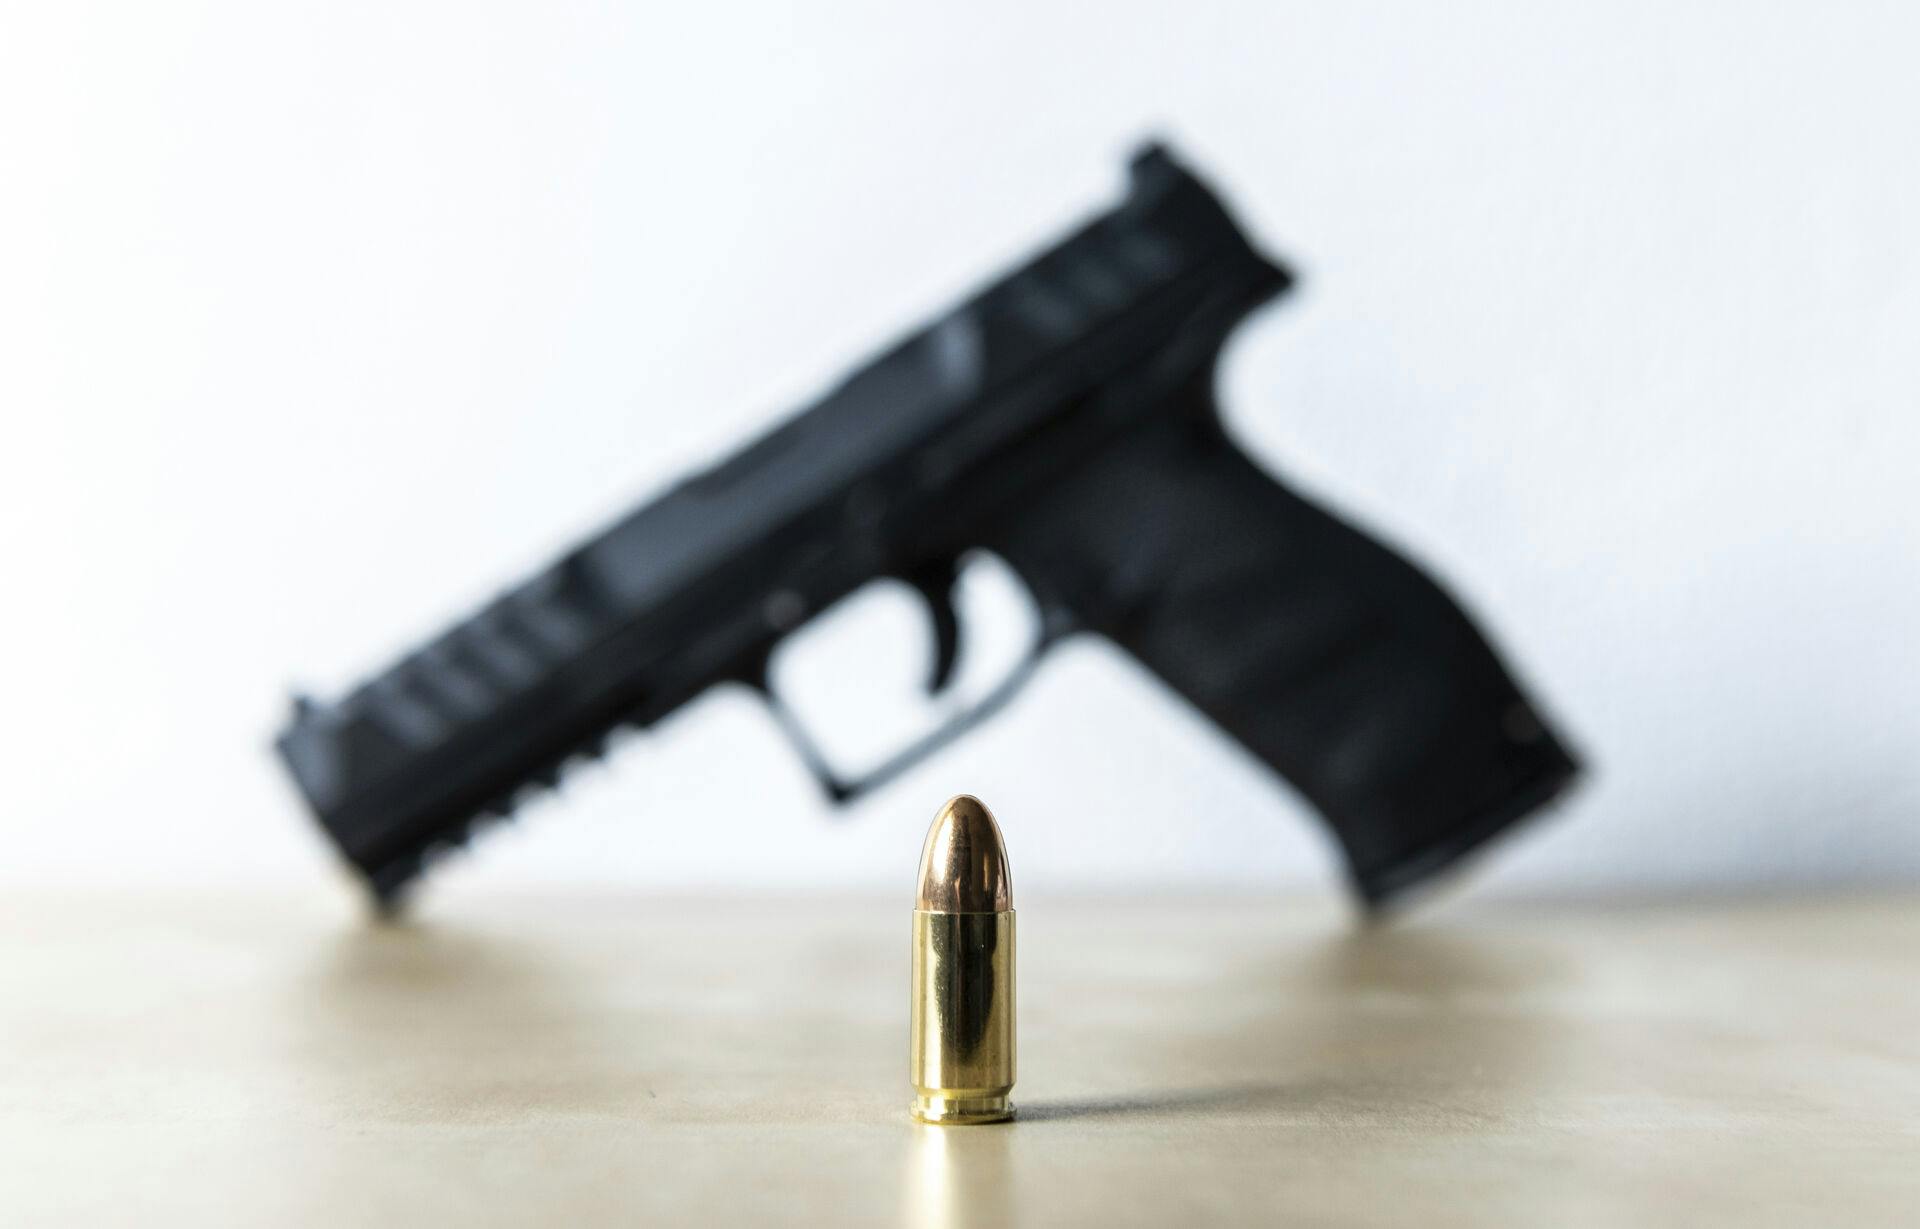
[1357, 1024]
[1225, 1099]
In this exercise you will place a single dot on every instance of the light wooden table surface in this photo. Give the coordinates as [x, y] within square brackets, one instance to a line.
[264, 1061]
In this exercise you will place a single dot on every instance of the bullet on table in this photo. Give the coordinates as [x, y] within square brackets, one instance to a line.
[962, 1050]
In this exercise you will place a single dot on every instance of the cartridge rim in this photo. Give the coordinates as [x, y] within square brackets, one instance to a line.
[940, 1109]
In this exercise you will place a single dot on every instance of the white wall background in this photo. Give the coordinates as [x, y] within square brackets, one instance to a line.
[320, 321]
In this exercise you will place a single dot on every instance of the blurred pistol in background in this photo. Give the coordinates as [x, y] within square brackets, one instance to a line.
[1062, 418]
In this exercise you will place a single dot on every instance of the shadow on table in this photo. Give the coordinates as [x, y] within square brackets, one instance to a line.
[1421, 963]
[1370, 1023]
[1225, 1099]
[417, 1022]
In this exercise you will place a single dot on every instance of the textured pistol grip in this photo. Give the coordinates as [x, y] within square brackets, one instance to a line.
[1327, 655]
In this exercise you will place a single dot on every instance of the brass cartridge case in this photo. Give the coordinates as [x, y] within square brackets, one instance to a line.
[961, 1055]
[963, 1016]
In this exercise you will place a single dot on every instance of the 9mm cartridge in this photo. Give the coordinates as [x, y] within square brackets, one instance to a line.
[962, 1051]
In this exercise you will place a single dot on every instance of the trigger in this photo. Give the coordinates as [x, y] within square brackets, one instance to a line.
[936, 584]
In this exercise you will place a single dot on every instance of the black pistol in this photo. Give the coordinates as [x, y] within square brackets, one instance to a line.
[1062, 418]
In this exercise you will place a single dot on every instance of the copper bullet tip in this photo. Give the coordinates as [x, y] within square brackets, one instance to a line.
[963, 865]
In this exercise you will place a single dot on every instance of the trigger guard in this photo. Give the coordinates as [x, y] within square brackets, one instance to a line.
[936, 585]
